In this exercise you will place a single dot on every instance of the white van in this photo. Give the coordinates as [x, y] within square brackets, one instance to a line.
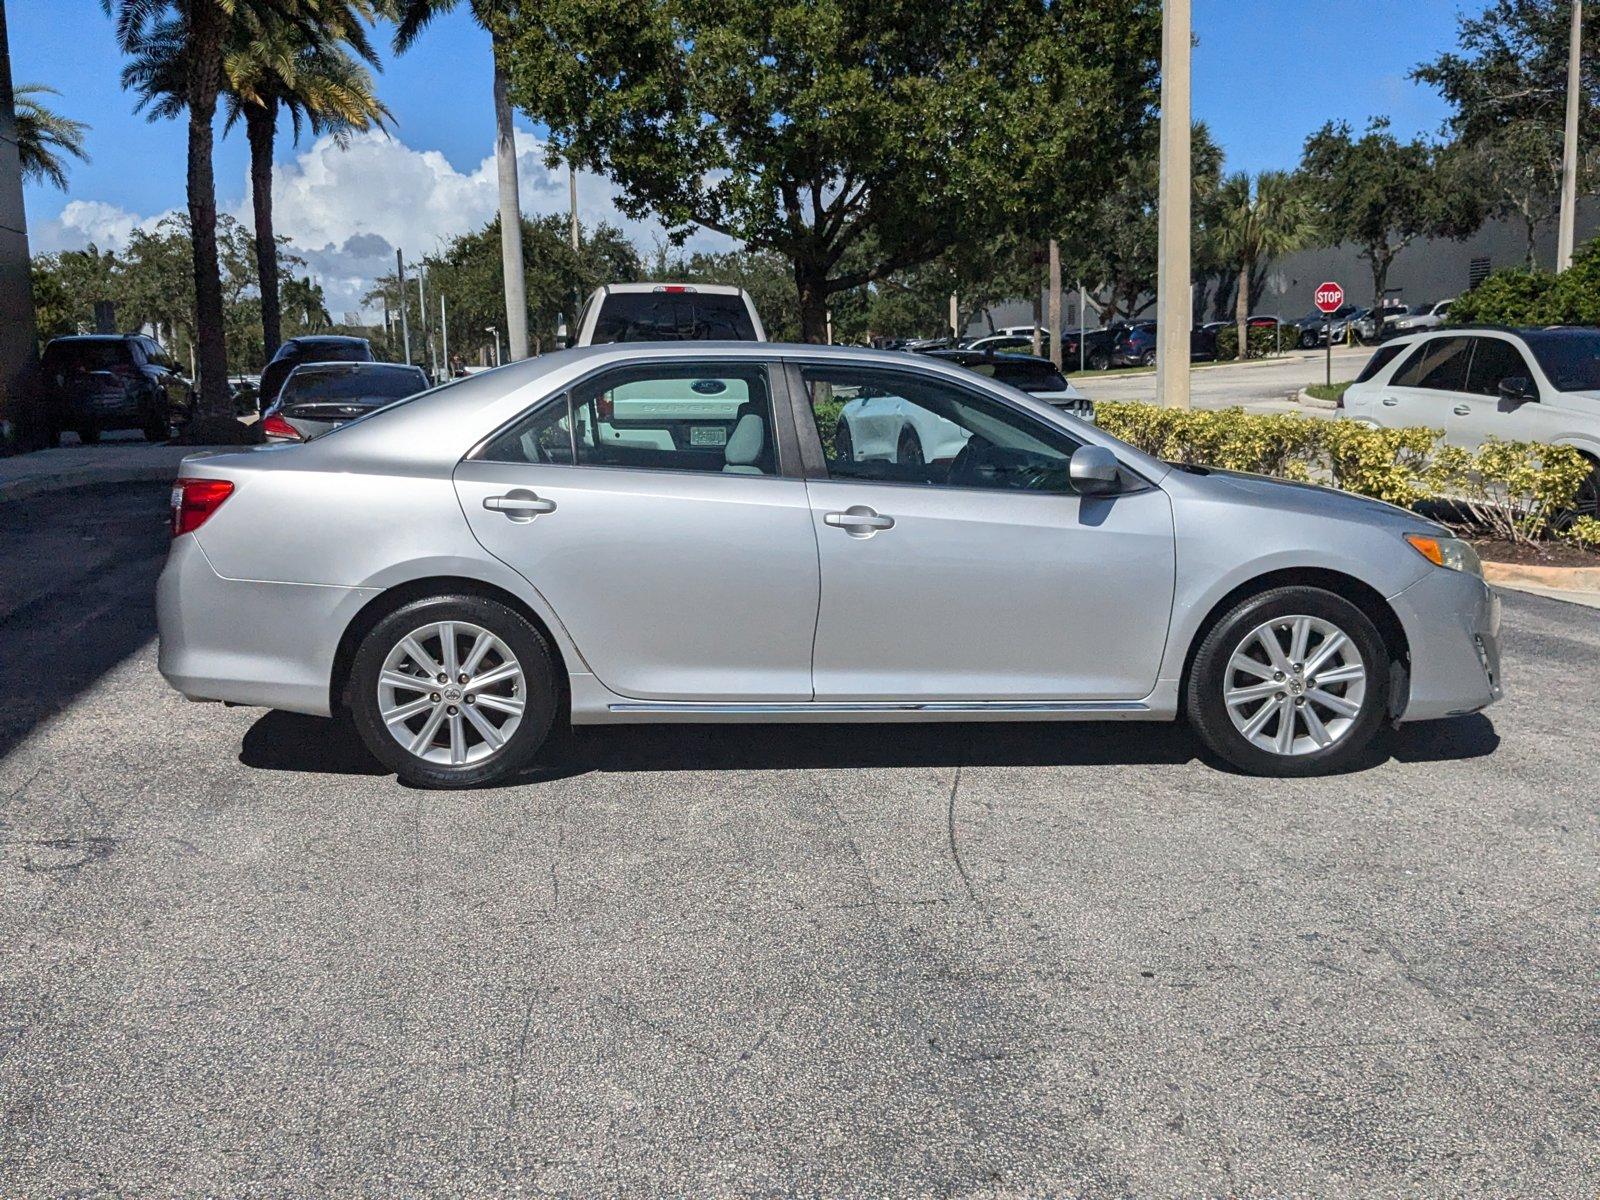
[668, 312]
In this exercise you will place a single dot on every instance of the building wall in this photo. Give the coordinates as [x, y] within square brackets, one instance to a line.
[19, 362]
[1423, 272]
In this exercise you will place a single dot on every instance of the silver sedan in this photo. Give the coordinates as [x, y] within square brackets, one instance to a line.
[681, 533]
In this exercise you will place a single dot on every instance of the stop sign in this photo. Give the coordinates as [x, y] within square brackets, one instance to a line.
[1329, 297]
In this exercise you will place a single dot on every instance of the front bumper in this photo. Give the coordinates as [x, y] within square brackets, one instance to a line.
[1452, 622]
[249, 642]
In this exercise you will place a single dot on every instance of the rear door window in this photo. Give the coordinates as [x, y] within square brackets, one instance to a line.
[1439, 364]
[1381, 359]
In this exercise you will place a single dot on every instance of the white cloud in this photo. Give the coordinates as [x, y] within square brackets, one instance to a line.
[346, 209]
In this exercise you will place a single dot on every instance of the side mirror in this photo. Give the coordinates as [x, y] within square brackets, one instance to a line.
[1093, 471]
[1518, 389]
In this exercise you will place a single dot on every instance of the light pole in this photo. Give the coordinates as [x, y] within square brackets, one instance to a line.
[405, 322]
[1566, 231]
[1174, 302]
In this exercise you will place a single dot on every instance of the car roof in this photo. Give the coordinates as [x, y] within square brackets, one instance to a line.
[354, 366]
[708, 289]
[85, 338]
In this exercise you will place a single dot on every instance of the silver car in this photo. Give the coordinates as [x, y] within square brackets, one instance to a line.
[320, 396]
[676, 533]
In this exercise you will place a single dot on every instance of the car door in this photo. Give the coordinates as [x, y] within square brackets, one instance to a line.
[1480, 413]
[977, 574]
[680, 557]
[1427, 386]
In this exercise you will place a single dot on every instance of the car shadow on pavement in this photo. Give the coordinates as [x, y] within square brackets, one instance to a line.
[282, 741]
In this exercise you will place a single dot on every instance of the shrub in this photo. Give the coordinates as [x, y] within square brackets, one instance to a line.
[1519, 296]
[1261, 342]
[1510, 490]
[1585, 531]
[1513, 490]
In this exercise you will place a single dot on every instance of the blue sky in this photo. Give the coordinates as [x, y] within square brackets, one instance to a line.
[1266, 73]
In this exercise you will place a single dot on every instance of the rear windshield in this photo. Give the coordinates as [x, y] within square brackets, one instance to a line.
[380, 384]
[88, 356]
[301, 352]
[1570, 359]
[1024, 376]
[1380, 360]
[672, 317]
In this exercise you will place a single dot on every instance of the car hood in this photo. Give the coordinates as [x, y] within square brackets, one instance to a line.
[1308, 498]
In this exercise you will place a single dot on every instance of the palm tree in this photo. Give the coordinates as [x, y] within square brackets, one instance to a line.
[410, 17]
[44, 136]
[320, 85]
[270, 64]
[1257, 223]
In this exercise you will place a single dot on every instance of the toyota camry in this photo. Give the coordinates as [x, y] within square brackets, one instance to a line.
[683, 532]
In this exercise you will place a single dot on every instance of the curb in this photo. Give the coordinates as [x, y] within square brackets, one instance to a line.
[1555, 579]
[21, 489]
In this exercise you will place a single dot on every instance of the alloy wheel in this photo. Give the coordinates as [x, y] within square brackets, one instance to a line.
[451, 693]
[1294, 685]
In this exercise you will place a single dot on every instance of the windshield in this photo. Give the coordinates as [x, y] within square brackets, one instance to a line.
[1570, 358]
[672, 317]
[345, 384]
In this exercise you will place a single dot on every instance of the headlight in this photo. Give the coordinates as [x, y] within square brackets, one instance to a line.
[1451, 553]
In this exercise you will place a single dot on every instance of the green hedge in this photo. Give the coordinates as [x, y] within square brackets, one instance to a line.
[1510, 490]
[1261, 342]
[1521, 296]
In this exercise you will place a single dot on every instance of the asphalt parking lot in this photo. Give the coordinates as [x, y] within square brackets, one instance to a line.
[961, 960]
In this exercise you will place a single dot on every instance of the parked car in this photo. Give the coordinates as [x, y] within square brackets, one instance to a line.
[668, 312]
[245, 392]
[1020, 342]
[1423, 316]
[1313, 326]
[96, 382]
[1037, 377]
[1135, 345]
[1372, 327]
[1533, 385]
[467, 564]
[321, 396]
[1097, 348]
[308, 349]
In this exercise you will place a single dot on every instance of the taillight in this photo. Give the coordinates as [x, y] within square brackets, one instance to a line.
[194, 500]
[673, 289]
[277, 429]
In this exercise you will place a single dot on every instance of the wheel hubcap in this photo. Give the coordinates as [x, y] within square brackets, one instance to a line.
[451, 693]
[1294, 685]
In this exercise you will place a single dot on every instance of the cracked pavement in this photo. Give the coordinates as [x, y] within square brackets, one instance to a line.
[988, 960]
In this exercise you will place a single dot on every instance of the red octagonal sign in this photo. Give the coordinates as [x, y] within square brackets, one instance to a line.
[1329, 297]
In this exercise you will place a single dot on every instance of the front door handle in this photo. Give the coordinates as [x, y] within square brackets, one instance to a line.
[519, 504]
[858, 521]
[1462, 410]
[1390, 401]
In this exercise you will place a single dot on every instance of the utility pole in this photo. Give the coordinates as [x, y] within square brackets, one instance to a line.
[422, 317]
[572, 194]
[22, 400]
[444, 335]
[1566, 231]
[405, 324]
[1174, 299]
[1053, 303]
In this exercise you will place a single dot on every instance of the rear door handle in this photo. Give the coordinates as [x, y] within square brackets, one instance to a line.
[1462, 410]
[858, 521]
[519, 504]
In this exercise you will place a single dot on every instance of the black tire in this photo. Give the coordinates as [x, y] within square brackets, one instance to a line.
[1308, 340]
[89, 434]
[908, 450]
[157, 428]
[1099, 360]
[540, 695]
[844, 445]
[1147, 359]
[1207, 709]
[1587, 502]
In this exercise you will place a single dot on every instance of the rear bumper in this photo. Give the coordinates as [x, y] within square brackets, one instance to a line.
[248, 642]
[1452, 621]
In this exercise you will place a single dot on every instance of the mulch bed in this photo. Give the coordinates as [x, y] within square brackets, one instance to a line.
[1545, 554]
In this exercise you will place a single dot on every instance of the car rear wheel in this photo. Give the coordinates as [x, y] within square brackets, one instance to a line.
[1099, 360]
[908, 450]
[1147, 359]
[89, 434]
[1290, 682]
[1308, 340]
[453, 691]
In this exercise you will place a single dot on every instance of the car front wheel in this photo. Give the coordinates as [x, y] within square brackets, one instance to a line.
[1290, 682]
[453, 691]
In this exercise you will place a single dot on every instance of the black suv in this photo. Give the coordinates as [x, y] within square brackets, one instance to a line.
[310, 349]
[96, 382]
